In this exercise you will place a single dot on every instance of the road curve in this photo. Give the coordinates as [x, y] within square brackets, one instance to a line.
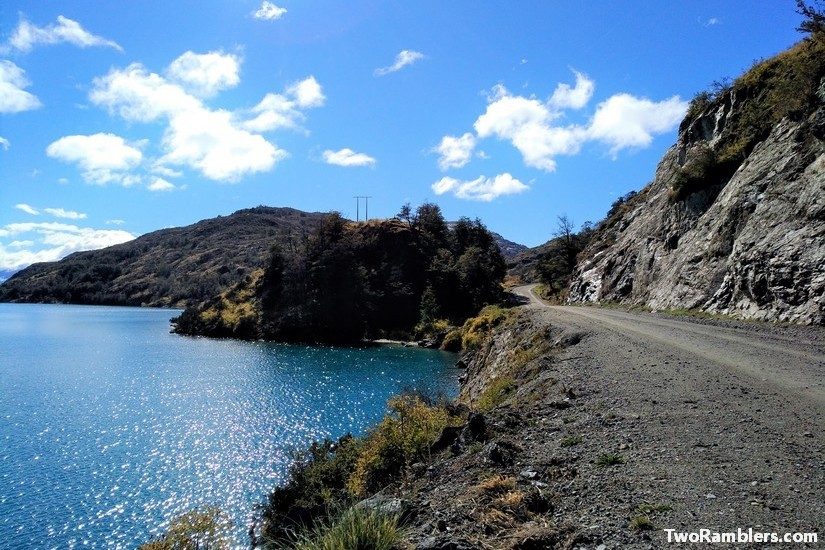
[789, 359]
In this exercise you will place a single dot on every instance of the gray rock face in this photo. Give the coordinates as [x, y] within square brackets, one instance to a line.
[752, 247]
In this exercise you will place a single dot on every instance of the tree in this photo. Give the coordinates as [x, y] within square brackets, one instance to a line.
[405, 214]
[565, 232]
[814, 22]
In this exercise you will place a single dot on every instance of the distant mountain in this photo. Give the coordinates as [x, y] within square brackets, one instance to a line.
[174, 267]
[509, 249]
[171, 267]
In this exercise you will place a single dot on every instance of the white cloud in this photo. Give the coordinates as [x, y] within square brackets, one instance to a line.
[480, 189]
[115, 222]
[277, 111]
[269, 12]
[625, 121]
[210, 142]
[530, 125]
[103, 158]
[27, 209]
[137, 95]
[347, 157]
[712, 21]
[527, 124]
[4, 143]
[67, 214]
[223, 145]
[404, 58]
[205, 74]
[160, 184]
[307, 93]
[455, 152]
[13, 98]
[51, 241]
[27, 35]
[565, 97]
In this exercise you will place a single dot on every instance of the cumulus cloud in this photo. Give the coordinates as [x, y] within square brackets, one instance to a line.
[51, 241]
[103, 158]
[223, 145]
[624, 121]
[23, 207]
[26, 36]
[269, 12]
[347, 157]
[532, 125]
[13, 97]
[404, 58]
[67, 214]
[480, 189]
[307, 93]
[528, 124]
[576, 97]
[455, 152]
[284, 110]
[160, 184]
[205, 74]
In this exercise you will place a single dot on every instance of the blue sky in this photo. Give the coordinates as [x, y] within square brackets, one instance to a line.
[121, 118]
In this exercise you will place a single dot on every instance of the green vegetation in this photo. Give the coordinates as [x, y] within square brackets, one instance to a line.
[377, 279]
[355, 529]
[571, 440]
[172, 267]
[495, 394]
[202, 529]
[610, 459]
[557, 263]
[787, 85]
[402, 438]
[641, 523]
[327, 479]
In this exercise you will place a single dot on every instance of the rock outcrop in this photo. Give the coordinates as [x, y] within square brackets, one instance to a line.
[734, 221]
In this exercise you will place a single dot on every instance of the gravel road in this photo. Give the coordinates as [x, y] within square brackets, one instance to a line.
[722, 421]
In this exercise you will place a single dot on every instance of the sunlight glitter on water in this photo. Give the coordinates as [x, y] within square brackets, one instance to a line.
[111, 426]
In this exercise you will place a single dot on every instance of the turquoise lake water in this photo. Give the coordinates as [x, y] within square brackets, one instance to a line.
[109, 425]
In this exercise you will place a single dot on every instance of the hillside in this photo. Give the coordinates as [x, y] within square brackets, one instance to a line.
[170, 267]
[734, 221]
[379, 279]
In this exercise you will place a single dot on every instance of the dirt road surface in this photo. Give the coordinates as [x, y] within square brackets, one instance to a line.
[721, 421]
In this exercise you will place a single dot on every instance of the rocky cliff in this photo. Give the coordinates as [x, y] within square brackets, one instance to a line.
[734, 221]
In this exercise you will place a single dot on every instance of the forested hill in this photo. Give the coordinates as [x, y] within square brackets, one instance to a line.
[170, 267]
[396, 278]
[174, 267]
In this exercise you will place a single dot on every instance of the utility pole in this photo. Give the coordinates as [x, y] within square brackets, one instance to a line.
[358, 207]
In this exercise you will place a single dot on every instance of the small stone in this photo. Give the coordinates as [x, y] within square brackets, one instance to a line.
[710, 496]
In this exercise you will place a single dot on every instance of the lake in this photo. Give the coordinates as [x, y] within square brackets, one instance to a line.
[110, 425]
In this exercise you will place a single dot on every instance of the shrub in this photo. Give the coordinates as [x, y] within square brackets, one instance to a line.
[477, 328]
[197, 529]
[403, 437]
[354, 529]
[495, 394]
[452, 341]
[571, 440]
[641, 523]
[610, 459]
[315, 487]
